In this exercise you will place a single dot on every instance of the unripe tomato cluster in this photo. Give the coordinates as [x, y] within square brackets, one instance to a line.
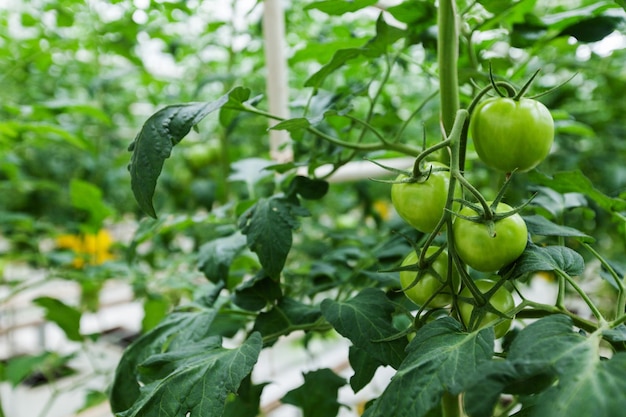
[509, 135]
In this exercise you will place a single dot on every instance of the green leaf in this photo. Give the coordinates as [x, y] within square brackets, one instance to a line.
[216, 256]
[539, 225]
[257, 292]
[364, 368]
[88, 197]
[268, 227]
[292, 124]
[593, 29]
[286, 316]
[549, 258]
[154, 143]
[307, 188]
[615, 335]
[577, 182]
[64, 316]
[155, 308]
[247, 401]
[340, 58]
[366, 320]
[177, 330]
[561, 368]
[317, 397]
[440, 358]
[385, 36]
[556, 203]
[495, 6]
[20, 367]
[414, 12]
[194, 379]
[339, 7]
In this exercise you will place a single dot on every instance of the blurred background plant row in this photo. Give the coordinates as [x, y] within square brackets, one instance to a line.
[79, 78]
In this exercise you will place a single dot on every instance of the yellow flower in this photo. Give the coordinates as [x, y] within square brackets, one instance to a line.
[383, 208]
[89, 249]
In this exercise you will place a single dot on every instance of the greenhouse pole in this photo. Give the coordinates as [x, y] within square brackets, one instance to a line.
[277, 77]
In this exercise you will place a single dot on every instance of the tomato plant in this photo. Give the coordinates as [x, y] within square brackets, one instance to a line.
[428, 286]
[421, 201]
[477, 313]
[512, 134]
[489, 244]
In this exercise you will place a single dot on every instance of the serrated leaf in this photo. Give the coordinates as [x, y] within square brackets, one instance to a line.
[177, 329]
[317, 396]
[366, 320]
[64, 316]
[154, 143]
[195, 379]
[585, 384]
[539, 225]
[549, 258]
[339, 7]
[440, 358]
[576, 181]
[216, 256]
[268, 227]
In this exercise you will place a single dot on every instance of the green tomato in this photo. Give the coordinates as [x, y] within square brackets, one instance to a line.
[501, 300]
[422, 204]
[430, 281]
[510, 134]
[479, 249]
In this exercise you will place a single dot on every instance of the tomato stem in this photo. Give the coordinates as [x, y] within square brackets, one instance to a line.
[447, 58]
[594, 310]
[621, 297]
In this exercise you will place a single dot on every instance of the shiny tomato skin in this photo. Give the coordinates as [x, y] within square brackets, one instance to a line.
[429, 283]
[512, 134]
[478, 249]
[501, 300]
[422, 204]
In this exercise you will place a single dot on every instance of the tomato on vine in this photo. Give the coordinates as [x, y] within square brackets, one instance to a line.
[421, 203]
[488, 248]
[511, 134]
[501, 300]
[431, 281]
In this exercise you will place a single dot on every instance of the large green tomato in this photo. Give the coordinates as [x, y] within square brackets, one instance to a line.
[510, 134]
[421, 204]
[501, 300]
[484, 252]
[430, 281]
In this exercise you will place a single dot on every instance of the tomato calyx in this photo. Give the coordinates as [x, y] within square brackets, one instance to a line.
[488, 298]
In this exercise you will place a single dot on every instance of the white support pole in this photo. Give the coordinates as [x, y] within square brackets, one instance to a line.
[277, 77]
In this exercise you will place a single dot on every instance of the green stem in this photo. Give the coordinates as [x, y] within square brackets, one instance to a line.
[539, 310]
[365, 147]
[447, 58]
[621, 297]
[583, 295]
